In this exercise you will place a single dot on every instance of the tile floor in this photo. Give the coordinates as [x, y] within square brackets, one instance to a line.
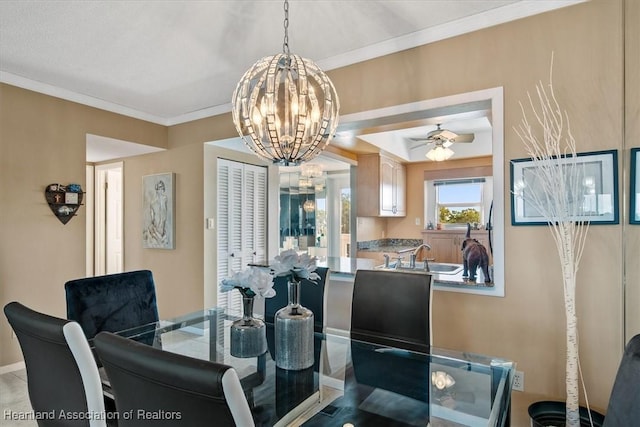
[14, 400]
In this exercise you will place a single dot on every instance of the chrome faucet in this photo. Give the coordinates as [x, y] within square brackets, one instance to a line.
[399, 262]
[412, 260]
[415, 254]
[424, 245]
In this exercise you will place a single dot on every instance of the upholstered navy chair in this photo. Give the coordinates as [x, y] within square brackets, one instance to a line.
[113, 302]
[392, 308]
[186, 391]
[624, 403]
[62, 376]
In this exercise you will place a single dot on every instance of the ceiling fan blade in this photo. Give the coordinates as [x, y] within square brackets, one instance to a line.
[415, 147]
[421, 140]
[464, 137]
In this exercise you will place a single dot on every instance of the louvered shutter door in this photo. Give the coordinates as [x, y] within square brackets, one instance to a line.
[260, 215]
[241, 222]
[223, 228]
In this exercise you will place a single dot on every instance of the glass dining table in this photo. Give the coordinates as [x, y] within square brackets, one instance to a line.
[352, 383]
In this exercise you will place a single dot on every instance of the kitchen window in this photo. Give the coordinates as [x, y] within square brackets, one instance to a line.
[458, 201]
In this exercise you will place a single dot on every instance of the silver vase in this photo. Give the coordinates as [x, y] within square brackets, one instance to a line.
[248, 335]
[294, 332]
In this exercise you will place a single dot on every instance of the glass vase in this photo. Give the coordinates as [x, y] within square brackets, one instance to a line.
[248, 335]
[294, 332]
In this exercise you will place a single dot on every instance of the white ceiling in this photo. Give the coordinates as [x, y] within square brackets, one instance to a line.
[170, 62]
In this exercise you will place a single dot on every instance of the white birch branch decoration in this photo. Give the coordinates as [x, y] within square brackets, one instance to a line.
[558, 200]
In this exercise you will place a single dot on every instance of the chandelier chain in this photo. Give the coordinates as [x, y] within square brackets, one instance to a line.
[285, 44]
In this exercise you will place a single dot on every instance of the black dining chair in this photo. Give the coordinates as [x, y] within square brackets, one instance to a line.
[160, 388]
[392, 308]
[390, 313]
[624, 404]
[112, 302]
[62, 376]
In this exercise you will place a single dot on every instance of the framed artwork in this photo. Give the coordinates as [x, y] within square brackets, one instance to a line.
[596, 203]
[634, 197]
[158, 211]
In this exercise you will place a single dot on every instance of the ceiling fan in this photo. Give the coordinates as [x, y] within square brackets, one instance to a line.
[442, 140]
[444, 137]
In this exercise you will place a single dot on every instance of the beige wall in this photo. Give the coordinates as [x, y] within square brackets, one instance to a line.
[43, 141]
[527, 325]
[632, 139]
[178, 273]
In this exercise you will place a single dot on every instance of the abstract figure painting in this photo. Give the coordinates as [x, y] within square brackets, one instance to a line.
[158, 211]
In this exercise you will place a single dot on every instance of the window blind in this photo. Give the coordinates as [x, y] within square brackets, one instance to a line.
[459, 181]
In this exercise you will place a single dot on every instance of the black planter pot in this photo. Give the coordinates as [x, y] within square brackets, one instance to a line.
[552, 414]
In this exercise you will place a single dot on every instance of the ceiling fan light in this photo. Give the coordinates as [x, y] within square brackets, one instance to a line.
[439, 154]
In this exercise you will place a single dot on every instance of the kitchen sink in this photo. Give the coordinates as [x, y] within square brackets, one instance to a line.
[434, 267]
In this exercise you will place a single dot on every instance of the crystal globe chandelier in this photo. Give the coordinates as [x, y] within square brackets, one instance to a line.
[309, 206]
[285, 108]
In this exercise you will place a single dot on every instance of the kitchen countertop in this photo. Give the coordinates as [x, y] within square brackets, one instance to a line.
[344, 265]
[450, 280]
[387, 249]
[348, 266]
[456, 281]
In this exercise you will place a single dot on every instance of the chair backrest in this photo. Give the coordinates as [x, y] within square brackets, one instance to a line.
[62, 375]
[312, 296]
[624, 404]
[113, 302]
[392, 308]
[186, 391]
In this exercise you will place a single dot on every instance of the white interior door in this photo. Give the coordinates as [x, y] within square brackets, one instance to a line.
[108, 249]
[114, 221]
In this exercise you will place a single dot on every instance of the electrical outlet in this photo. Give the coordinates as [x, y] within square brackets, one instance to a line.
[417, 221]
[518, 381]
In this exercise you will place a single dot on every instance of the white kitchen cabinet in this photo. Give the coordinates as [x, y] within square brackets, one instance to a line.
[381, 186]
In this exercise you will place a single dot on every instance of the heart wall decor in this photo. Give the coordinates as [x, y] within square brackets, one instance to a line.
[64, 200]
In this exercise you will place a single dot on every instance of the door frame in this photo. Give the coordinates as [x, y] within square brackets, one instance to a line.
[102, 221]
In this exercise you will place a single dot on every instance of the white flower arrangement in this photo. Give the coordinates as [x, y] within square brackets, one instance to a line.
[251, 282]
[299, 267]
